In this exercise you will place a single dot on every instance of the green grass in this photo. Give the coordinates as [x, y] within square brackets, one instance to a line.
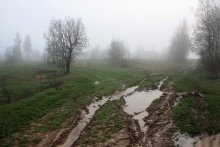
[77, 91]
[21, 81]
[148, 82]
[107, 122]
[190, 115]
[186, 120]
[196, 81]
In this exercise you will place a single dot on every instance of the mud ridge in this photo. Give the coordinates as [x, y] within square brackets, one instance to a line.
[131, 130]
[86, 130]
[159, 122]
[64, 134]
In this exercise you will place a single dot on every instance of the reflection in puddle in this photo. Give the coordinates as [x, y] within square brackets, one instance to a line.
[139, 101]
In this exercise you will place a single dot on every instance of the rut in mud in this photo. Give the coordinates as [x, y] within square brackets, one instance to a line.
[87, 115]
[136, 104]
[149, 121]
[162, 131]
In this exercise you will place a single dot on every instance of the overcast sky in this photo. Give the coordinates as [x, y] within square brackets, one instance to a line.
[148, 23]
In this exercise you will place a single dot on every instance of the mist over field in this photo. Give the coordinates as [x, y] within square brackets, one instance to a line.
[149, 24]
[110, 73]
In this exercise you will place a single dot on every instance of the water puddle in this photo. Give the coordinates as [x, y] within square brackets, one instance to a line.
[141, 122]
[138, 102]
[96, 82]
[86, 116]
[184, 140]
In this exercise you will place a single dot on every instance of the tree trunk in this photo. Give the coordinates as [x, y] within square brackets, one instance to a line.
[5, 90]
[67, 71]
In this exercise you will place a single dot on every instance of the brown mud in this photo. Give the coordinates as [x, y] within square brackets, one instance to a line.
[162, 131]
[134, 127]
[160, 128]
[130, 135]
[68, 139]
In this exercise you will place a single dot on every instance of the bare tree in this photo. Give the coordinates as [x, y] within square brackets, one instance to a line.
[8, 55]
[3, 84]
[16, 48]
[4, 89]
[65, 40]
[27, 46]
[207, 35]
[95, 52]
[180, 44]
[118, 53]
[13, 53]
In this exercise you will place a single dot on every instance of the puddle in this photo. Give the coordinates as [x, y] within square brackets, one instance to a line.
[86, 117]
[129, 90]
[161, 83]
[138, 102]
[96, 82]
[140, 118]
[184, 140]
[209, 141]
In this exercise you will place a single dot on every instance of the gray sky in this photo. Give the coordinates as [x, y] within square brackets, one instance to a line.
[148, 23]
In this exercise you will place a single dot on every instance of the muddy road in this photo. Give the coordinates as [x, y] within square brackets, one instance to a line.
[148, 121]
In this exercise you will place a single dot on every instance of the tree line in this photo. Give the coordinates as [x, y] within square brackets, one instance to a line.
[13, 53]
[205, 40]
[66, 39]
[207, 35]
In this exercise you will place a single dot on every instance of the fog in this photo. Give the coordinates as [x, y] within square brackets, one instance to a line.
[146, 23]
[110, 73]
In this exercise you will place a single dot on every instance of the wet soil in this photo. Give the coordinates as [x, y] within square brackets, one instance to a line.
[162, 131]
[86, 116]
[159, 122]
[130, 135]
[134, 111]
[148, 124]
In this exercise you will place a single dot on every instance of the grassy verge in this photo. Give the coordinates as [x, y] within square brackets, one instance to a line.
[196, 115]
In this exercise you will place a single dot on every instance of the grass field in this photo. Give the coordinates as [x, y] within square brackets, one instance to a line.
[38, 107]
[52, 108]
[21, 79]
[196, 115]
[107, 122]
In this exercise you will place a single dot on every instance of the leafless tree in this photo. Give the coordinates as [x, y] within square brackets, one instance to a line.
[65, 40]
[118, 53]
[95, 52]
[180, 44]
[207, 35]
[16, 48]
[27, 46]
[13, 53]
[4, 89]
[9, 55]
[3, 84]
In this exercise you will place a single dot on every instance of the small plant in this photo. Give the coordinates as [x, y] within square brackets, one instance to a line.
[4, 89]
